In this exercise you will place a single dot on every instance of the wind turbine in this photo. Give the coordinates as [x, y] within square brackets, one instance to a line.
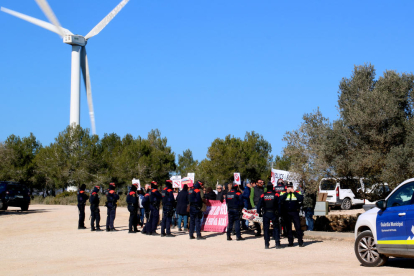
[79, 57]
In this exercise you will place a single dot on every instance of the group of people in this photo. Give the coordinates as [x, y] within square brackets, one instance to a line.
[279, 205]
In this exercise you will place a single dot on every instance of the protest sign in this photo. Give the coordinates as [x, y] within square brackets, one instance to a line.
[176, 181]
[191, 176]
[136, 181]
[215, 216]
[237, 178]
[285, 175]
[187, 181]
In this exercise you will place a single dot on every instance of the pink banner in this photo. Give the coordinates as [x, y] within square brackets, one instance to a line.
[215, 217]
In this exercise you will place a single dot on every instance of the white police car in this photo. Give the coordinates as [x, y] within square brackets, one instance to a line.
[388, 229]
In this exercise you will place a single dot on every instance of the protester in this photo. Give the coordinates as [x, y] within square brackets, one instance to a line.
[210, 195]
[309, 206]
[255, 194]
[181, 209]
[220, 193]
[246, 204]
[141, 207]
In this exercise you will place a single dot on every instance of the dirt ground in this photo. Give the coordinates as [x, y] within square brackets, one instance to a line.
[45, 241]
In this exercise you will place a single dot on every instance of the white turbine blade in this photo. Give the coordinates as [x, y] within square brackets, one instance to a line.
[106, 20]
[44, 6]
[87, 81]
[38, 22]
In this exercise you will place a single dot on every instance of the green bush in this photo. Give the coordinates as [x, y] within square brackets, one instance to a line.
[66, 194]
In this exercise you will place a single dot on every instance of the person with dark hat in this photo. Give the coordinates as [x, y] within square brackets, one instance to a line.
[82, 198]
[155, 200]
[168, 205]
[234, 203]
[132, 200]
[111, 203]
[290, 203]
[269, 208]
[146, 204]
[196, 203]
[95, 212]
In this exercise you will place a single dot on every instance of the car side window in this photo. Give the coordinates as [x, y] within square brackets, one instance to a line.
[402, 196]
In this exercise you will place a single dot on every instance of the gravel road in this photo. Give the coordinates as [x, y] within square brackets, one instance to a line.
[45, 241]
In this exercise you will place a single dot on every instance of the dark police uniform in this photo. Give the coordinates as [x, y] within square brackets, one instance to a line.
[111, 199]
[196, 203]
[234, 203]
[290, 203]
[146, 205]
[269, 208]
[168, 204]
[95, 212]
[279, 189]
[132, 200]
[82, 198]
[155, 200]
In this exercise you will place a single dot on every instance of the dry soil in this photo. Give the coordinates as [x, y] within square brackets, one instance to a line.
[45, 241]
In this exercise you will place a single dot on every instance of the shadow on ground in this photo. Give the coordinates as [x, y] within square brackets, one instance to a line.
[400, 263]
[19, 213]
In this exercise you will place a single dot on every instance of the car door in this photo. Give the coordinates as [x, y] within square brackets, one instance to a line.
[410, 227]
[391, 223]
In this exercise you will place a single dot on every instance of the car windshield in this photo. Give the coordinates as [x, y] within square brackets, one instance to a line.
[328, 184]
[349, 183]
[2, 187]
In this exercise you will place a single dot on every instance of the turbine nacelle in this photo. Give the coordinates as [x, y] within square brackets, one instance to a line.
[74, 40]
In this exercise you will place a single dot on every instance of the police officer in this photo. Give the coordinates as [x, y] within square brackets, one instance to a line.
[155, 200]
[95, 212]
[290, 203]
[132, 200]
[168, 205]
[82, 198]
[280, 188]
[196, 203]
[234, 203]
[146, 204]
[269, 208]
[111, 199]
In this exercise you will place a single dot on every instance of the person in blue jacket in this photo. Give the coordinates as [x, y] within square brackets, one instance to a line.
[246, 204]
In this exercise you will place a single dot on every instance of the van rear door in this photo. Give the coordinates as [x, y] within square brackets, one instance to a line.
[328, 185]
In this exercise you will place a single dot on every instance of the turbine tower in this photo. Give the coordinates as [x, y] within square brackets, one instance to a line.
[79, 58]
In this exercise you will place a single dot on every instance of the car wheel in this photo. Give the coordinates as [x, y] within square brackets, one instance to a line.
[367, 252]
[346, 204]
[25, 207]
[4, 207]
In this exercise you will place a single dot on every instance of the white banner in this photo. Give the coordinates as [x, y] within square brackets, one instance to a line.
[191, 176]
[136, 181]
[285, 175]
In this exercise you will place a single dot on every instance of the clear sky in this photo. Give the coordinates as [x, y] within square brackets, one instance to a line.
[196, 70]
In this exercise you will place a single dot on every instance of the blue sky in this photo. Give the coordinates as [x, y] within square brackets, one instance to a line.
[196, 70]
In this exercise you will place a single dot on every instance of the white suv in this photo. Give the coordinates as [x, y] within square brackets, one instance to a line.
[340, 193]
[388, 229]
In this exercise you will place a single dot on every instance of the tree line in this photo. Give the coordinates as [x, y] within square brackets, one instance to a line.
[372, 138]
[77, 157]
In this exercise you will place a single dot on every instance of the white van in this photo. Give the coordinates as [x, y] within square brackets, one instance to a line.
[340, 193]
